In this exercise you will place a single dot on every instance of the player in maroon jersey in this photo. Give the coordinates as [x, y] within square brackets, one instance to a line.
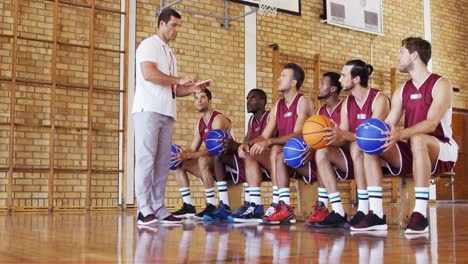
[328, 91]
[199, 162]
[361, 104]
[255, 101]
[424, 146]
[288, 117]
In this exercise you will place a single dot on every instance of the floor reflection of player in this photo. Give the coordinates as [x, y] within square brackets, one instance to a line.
[280, 237]
[150, 246]
[371, 246]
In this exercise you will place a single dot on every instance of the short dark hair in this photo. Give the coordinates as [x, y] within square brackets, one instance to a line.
[421, 46]
[166, 14]
[361, 69]
[208, 93]
[298, 73]
[334, 80]
[260, 94]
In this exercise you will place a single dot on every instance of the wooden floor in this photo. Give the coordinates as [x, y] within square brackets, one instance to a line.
[112, 236]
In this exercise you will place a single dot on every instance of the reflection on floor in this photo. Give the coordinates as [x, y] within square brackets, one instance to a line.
[109, 236]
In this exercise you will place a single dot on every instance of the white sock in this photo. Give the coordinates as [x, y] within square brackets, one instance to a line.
[284, 195]
[185, 192]
[222, 192]
[275, 194]
[375, 200]
[422, 196]
[323, 196]
[210, 196]
[246, 192]
[255, 195]
[363, 201]
[337, 206]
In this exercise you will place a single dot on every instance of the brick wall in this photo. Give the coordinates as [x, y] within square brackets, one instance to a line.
[60, 123]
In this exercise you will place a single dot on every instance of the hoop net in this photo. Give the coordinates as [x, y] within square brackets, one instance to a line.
[268, 7]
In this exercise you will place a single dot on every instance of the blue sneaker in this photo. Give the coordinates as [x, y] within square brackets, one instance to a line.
[253, 214]
[220, 214]
[239, 212]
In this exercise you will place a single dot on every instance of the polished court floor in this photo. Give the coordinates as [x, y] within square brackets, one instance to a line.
[113, 237]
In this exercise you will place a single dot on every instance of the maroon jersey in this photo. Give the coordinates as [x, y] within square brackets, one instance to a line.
[286, 116]
[257, 126]
[204, 128]
[335, 113]
[357, 114]
[417, 101]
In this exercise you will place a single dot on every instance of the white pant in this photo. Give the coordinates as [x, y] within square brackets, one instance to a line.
[153, 139]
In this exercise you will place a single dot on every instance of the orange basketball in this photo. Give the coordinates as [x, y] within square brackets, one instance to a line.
[312, 131]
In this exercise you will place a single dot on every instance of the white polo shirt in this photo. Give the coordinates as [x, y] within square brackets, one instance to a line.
[149, 96]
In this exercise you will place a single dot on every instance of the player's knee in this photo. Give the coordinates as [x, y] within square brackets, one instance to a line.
[203, 162]
[355, 153]
[418, 144]
[276, 150]
[321, 156]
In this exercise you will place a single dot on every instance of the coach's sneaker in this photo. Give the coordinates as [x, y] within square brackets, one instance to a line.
[320, 212]
[239, 212]
[146, 220]
[333, 220]
[355, 220]
[220, 214]
[417, 224]
[371, 222]
[284, 215]
[208, 210]
[254, 213]
[186, 211]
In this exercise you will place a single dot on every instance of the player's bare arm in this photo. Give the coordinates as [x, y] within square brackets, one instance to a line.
[442, 100]
[340, 134]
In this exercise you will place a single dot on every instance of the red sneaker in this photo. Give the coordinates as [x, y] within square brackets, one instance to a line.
[283, 215]
[319, 215]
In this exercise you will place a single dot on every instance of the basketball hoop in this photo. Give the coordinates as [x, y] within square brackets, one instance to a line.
[267, 7]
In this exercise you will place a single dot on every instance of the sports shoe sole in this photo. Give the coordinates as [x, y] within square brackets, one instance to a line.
[371, 228]
[410, 231]
[281, 222]
[139, 222]
[339, 225]
[166, 222]
[184, 216]
[247, 220]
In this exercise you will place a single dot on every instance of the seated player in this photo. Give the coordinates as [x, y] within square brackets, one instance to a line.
[255, 101]
[424, 146]
[361, 104]
[289, 115]
[199, 162]
[329, 91]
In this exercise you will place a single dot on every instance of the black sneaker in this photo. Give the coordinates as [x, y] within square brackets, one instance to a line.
[371, 222]
[333, 220]
[355, 220]
[146, 220]
[170, 220]
[417, 224]
[186, 211]
[208, 210]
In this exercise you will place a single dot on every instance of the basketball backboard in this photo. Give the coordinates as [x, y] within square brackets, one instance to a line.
[286, 6]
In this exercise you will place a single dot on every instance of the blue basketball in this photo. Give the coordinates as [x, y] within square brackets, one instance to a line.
[214, 141]
[368, 135]
[292, 152]
[174, 150]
